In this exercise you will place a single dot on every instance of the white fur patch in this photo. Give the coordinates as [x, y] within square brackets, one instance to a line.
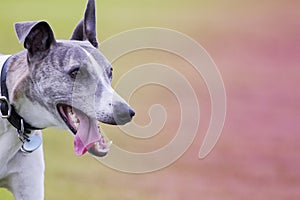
[36, 114]
[3, 59]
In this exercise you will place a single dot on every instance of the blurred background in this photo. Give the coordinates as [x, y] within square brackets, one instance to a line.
[255, 45]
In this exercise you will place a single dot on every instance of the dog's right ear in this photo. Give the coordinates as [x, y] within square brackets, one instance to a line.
[37, 37]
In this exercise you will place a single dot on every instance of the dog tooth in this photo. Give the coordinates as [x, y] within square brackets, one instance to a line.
[69, 109]
[102, 149]
[73, 118]
[108, 144]
[98, 145]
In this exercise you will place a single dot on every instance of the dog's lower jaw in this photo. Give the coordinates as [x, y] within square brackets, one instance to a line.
[98, 151]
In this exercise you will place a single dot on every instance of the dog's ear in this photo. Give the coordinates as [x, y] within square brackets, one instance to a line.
[86, 28]
[37, 37]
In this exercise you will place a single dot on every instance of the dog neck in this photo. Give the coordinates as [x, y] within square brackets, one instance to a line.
[18, 84]
[8, 111]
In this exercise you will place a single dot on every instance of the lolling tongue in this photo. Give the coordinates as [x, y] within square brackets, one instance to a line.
[87, 134]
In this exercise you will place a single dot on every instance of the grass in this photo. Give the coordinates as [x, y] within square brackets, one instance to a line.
[5, 194]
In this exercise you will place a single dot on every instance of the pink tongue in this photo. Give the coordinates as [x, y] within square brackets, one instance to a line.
[87, 134]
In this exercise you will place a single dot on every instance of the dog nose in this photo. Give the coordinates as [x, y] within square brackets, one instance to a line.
[131, 112]
[123, 113]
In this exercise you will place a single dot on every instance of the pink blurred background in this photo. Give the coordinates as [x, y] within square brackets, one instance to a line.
[257, 46]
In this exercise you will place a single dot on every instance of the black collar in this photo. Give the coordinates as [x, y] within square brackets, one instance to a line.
[8, 111]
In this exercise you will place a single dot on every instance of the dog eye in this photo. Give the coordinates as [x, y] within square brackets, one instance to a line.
[110, 72]
[74, 73]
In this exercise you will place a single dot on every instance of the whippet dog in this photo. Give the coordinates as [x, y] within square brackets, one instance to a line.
[53, 83]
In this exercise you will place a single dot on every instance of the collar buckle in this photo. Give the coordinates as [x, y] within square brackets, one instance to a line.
[5, 104]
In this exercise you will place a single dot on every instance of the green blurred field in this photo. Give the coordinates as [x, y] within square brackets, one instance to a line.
[255, 45]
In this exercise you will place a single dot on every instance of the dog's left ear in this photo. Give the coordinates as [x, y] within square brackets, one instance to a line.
[86, 28]
[37, 37]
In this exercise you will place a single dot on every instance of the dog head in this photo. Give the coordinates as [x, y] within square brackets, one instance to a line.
[71, 80]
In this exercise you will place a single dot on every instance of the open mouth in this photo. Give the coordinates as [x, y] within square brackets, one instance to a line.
[87, 133]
